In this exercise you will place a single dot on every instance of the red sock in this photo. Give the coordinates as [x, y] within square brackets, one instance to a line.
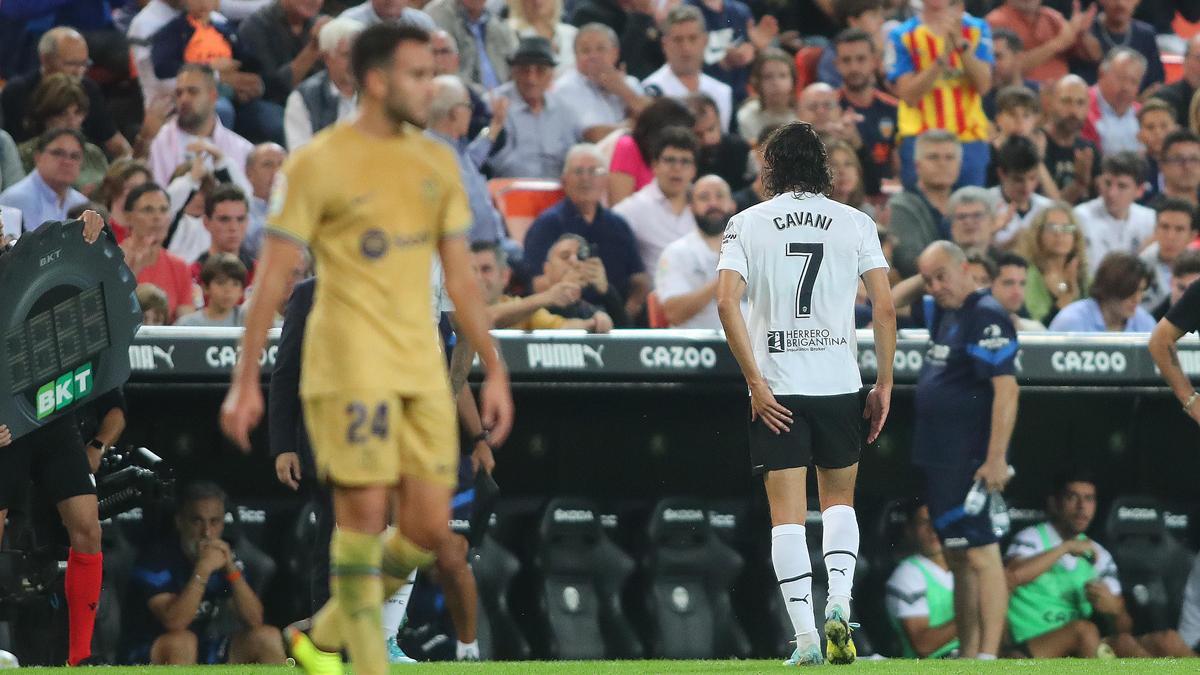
[85, 571]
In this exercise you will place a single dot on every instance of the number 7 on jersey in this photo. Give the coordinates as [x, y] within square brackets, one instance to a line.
[810, 257]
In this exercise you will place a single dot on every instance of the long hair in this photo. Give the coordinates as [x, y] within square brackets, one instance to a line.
[660, 114]
[1030, 245]
[796, 161]
[858, 195]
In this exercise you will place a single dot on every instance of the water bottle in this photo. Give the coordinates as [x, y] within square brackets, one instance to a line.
[976, 499]
[1001, 523]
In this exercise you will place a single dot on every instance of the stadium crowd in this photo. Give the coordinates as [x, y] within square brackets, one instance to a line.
[604, 144]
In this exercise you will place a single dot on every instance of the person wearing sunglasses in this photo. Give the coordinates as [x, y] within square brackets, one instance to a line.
[1055, 249]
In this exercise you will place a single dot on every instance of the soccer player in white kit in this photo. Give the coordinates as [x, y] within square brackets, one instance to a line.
[799, 257]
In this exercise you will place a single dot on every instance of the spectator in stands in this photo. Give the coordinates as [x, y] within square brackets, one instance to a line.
[149, 210]
[484, 41]
[284, 36]
[1058, 269]
[1115, 28]
[446, 62]
[1180, 93]
[62, 50]
[1064, 582]
[154, 306]
[59, 102]
[920, 592]
[1072, 160]
[1175, 227]
[972, 217]
[1020, 171]
[1018, 110]
[684, 41]
[658, 214]
[581, 212]
[571, 259]
[1114, 221]
[186, 585]
[122, 176]
[531, 312]
[598, 92]
[261, 166]
[328, 95]
[46, 193]
[773, 103]
[918, 215]
[818, 105]
[196, 120]
[1156, 121]
[634, 21]
[190, 186]
[10, 164]
[685, 279]
[860, 16]
[941, 68]
[1006, 72]
[847, 173]
[1050, 38]
[223, 279]
[630, 166]
[724, 154]
[1184, 272]
[225, 217]
[1112, 110]
[733, 41]
[371, 12]
[755, 192]
[1180, 162]
[1008, 287]
[148, 21]
[539, 128]
[1115, 304]
[528, 18]
[858, 62]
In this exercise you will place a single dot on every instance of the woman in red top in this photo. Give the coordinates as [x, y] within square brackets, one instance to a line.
[630, 166]
[149, 214]
[122, 176]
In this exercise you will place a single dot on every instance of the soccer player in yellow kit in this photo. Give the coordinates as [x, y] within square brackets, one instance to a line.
[372, 198]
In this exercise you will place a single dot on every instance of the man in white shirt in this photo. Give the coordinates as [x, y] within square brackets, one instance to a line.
[1018, 167]
[196, 120]
[800, 255]
[327, 96]
[1174, 229]
[600, 94]
[658, 214]
[1113, 221]
[686, 277]
[1112, 122]
[683, 40]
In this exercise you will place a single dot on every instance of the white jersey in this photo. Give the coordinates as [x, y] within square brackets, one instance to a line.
[801, 257]
[1028, 543]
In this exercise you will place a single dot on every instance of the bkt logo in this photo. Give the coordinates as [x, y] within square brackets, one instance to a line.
[562, 355]
[64, 390]
[146, 357]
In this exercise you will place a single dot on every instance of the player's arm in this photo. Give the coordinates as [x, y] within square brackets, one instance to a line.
[1166, 357]
[474, 323]
[730, 289]
[1019, 571]
[883, 323]
[249, 607]
[175, 611]
[926, 639]
[468, 417]
[112, 425]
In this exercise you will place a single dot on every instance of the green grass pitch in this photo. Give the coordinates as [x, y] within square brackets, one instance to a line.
[623, 667]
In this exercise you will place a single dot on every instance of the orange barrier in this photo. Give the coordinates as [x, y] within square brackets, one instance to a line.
[521, 200]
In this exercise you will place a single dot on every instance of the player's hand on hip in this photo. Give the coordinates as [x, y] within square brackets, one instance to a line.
[994, 473]
[764, 406]
[241, 411]
[496, 406]
[5, 436]
[287, 469]
[879, 402]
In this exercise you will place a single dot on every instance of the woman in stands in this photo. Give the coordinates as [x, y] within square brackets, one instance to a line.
[544, 17]
[122, 176]
[629, 170]
[848, 177]
[60, 102]
[773, 79]
[1054, 247]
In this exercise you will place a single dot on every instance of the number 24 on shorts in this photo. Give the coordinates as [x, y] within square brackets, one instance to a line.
[359, 414]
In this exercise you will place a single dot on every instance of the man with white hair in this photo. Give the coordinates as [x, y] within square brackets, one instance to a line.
[326, 96]
[1112, 121]
[596, 90]
[62, 50]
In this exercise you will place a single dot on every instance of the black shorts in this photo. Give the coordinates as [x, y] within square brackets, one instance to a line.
[828, 431]
[946, 489]
[53, 457]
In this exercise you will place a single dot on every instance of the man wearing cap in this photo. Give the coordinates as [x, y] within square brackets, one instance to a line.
[539, 129]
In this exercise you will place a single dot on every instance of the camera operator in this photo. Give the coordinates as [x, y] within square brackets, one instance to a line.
[54, 458]
[187, 587]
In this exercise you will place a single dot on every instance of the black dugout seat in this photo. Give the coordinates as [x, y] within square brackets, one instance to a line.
[1152, 565]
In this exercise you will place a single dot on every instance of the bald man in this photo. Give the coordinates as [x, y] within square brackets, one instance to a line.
[818, 105]
[686, 277]
[1073, 161]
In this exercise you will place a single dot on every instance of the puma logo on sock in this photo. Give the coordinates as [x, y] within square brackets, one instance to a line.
[804, 599]
[841, 570]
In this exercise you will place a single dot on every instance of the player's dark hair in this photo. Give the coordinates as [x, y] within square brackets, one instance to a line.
[1119, 276]
[659, 114]
[1179, 205]
[225, 192]
[52, 135]
[1178, 137]
[852, 9]
[136, 193]
[1124, 163]
[852, 35]
[1186, 263]
[375, 47]
[678, 138]
[494, 248]
[199, 491]
[795, 161]
[1009, 259]
[981, 259]
[765, 134]
[1014, 42]
[1017, 96]
[223, 266]
[1017, 155]
[1058, 485]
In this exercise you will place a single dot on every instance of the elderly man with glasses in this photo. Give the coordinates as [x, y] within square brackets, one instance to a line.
[46, 193]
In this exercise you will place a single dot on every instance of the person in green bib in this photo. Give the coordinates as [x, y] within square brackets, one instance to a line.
[1065, 589]
[920, 592]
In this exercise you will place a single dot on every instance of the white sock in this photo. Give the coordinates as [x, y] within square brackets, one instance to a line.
[467, 650]
[793, 569]
[840, 546]
[395, 607]
[985, 657]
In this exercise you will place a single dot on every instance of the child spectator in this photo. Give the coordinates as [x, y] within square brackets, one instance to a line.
[1112, 221]
[153, 302]
[223, 279]
[773, 79]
